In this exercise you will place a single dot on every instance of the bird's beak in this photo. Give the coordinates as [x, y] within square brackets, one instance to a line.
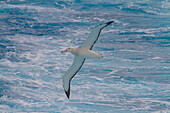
[64, 51]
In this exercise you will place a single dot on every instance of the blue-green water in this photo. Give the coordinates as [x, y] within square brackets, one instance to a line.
[133, 76]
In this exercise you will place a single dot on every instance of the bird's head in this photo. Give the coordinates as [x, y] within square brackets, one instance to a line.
[67, 50]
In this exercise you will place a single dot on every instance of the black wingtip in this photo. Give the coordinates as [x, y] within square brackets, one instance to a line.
[68, 93]
[109, 22]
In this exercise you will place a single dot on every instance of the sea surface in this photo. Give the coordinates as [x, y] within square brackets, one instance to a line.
[133, 76]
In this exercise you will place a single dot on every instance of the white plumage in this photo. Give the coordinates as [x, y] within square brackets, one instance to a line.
[81, 53]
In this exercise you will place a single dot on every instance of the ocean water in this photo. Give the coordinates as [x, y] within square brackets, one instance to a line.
[133, 76]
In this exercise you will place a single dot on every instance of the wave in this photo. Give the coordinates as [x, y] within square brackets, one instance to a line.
[134, 69]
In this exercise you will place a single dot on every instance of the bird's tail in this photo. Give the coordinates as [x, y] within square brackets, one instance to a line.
[100, 56]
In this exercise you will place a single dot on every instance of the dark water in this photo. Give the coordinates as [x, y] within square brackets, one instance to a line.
[133, 76]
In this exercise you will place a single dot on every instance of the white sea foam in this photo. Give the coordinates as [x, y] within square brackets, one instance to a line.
[127, 79]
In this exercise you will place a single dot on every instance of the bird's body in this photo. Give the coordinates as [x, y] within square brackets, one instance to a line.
[81, 53]
[85, 52]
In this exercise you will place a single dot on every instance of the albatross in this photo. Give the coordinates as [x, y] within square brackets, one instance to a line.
[82, 53]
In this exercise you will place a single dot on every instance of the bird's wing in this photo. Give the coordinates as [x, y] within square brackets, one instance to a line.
[71, 72]
[94, 35]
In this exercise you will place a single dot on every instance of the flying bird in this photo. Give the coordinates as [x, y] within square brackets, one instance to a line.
[82, 53]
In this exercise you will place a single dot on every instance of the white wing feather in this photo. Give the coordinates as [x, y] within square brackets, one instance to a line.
[93, 36]
[71, 72]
